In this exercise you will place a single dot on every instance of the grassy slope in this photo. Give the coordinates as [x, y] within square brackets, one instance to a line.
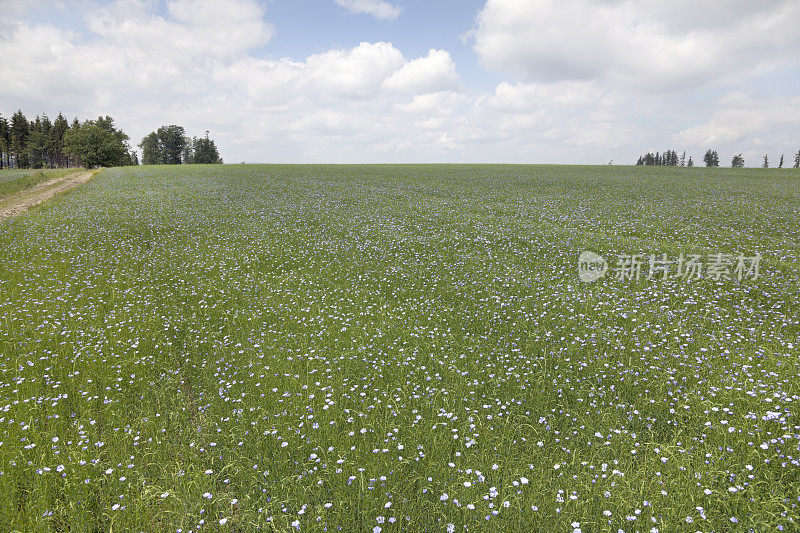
[14, 181]
[248, 344]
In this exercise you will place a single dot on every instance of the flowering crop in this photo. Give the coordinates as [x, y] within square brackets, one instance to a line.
[386, 348]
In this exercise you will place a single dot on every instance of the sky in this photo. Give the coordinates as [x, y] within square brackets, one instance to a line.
[416, 81]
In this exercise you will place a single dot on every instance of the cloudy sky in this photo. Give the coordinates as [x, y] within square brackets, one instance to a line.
[524, 81]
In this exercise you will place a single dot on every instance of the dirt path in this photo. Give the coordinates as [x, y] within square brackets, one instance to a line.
[16, 204]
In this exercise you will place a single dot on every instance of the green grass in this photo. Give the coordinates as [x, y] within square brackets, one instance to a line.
[399, 347]
[14, 181]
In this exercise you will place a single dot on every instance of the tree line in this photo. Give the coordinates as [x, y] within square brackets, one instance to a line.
[169, 145]
[668, 158]
[42, 143]
[711, 159]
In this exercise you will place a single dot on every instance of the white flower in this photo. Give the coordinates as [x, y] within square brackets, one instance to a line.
[223, 521]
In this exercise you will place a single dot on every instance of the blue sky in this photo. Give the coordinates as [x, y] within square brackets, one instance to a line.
[524, 81]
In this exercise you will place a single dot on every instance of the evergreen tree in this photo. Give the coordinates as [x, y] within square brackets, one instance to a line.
[47, 128]
[737, 161]
[797, 160]
[5, 142]
[60, 127]
[690, 163]
[766, 161]
[37, 143]
[20, 131]
[205, 151]
[683, 159]
[711, 158]
[780, 164]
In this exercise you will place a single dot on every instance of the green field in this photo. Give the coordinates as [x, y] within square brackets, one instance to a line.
[399, 348]
[13, 181]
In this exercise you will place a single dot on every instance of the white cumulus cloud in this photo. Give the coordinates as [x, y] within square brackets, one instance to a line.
[648, 46]
[432, 73]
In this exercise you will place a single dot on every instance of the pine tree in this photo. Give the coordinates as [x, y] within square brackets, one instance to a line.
[683, 159]
[780, 164]
[205, 152]
[711, 158]
[766, 161]
[737, 161]
[20, 131]
[690, 163]
[5, 142]
[60, 127]
[797, 160]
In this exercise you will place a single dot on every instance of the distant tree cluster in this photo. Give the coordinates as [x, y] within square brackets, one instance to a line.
[668, 158]
[711, 159]
[42, 143]
[169, 145]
